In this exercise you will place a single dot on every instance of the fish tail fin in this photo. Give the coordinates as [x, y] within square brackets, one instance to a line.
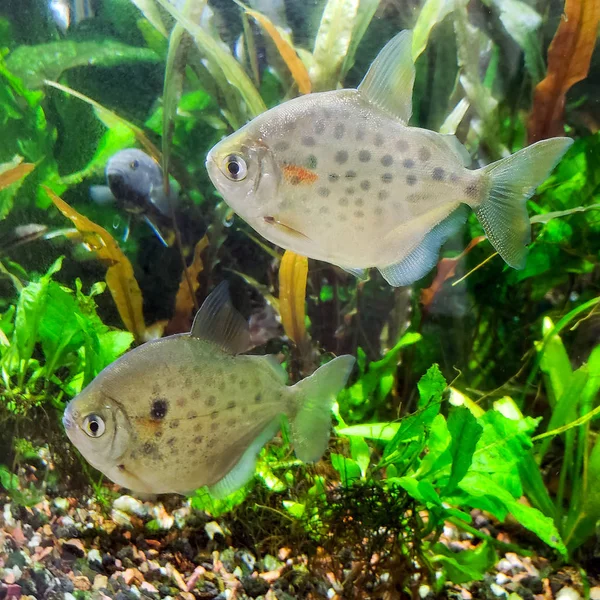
[512, 180]
[316, 395]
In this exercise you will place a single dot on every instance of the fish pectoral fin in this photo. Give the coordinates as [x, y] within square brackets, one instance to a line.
[389, 82]
[243, 471]
[217, 321]
[277, 223]
[362, 274]
[424, 257]
[156, 230]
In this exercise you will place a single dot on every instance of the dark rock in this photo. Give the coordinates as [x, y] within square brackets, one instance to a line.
[66, 532]
[28, 587]
[255, 586]
[126, 552]
[16, 559]
[533, 583]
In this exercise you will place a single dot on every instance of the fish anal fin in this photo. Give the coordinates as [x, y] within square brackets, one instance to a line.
[361, 274]
[424, 257]
[389, 82]
[243, 471]
[219, 322]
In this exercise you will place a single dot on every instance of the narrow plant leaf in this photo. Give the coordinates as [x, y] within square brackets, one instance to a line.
[286, 50]
[432, 13]
[521, 22]
[14, 171]
[332, 43]
[365, 13]
[184, 301]
[34, 64]
[569, 58]
[120, 278]
[293, 273]
[221, 59]
[109, 118]
[149, 9]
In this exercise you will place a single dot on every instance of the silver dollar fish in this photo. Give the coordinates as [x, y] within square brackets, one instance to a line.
[339, 176]
[188, 410]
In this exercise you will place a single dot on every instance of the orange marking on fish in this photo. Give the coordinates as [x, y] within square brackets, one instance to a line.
[297, 175]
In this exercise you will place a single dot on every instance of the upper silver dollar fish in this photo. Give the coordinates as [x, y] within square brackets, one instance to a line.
[339, 176]
[187, 410]
[135, 183]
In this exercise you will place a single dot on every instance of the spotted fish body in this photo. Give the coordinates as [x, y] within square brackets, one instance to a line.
[339, 176]
[185, 411]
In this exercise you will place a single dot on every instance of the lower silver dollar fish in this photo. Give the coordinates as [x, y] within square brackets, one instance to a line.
[135, 183]
[188, 410]
[340, 176]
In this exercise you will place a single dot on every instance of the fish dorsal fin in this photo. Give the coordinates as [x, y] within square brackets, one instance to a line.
[389, 82]
[457, 149]
[217, 321]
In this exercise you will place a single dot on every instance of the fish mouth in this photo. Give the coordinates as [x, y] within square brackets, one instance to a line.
[68, 419]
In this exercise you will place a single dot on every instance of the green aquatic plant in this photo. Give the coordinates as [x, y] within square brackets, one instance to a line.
[57, 343]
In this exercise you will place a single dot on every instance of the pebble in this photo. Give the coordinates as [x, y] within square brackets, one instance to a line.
[131, 506]
[100, 581]
[568, 593]
[595, 593]
[212, 529]
[497, 590]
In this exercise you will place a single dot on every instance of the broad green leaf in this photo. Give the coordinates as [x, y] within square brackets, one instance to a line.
[438, 456]
[554, 362]
[422, 491]
[347, 468]
[360, 453]
[465, 566]
[203, 501]
[117, 138]
[30, 310]
[59, 330]
[465, 432]
[383, 432]
[431, 386]
[34, 64]
[112, 344]
[478, 484]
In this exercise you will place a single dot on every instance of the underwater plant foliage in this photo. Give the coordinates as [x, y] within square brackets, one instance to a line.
[475, 388]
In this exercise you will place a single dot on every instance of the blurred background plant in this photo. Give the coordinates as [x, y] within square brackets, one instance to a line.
[520, 348]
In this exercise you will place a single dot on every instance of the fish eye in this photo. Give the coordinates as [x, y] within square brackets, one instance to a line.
[94, 426]
[134, 164]
[235, 167]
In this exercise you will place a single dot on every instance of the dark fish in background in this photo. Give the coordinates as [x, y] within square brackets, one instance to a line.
[135, 184]
[70, 12]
